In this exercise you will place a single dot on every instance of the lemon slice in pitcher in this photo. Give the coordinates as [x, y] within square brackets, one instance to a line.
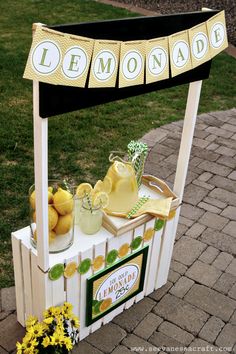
[107, 185]
[122, 169]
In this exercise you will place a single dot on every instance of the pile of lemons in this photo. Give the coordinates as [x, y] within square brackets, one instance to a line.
[60, 208]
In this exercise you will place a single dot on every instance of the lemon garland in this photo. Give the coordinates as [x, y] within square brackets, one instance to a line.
[68, 270]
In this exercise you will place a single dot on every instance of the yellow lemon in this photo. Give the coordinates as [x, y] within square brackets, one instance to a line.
[82, 189]
[32, 198]
[101, 199]
[52, 217]
[64, 224]
[52, 236]
[98, 262]
[106, 303]
[123, 250]
[63, 201]
[70, 269]
[107, 184]
[98, 186]
[148, 235]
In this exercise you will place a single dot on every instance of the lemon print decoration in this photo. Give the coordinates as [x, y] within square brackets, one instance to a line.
[70, 269]
[64, 224]
[98, 262]
[171, 214]
[123, 250]
[111, 256]
[83, 189]
[63, 201]
[96, 307]
[148, 235]
[106, 303]
[159, 224]
[107, 185]
[84, 266]
[136, 242]
[56, 271]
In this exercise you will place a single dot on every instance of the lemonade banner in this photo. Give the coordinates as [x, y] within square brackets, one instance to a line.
[63, 59]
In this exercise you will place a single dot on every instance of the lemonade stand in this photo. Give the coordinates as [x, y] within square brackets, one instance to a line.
[83, 65]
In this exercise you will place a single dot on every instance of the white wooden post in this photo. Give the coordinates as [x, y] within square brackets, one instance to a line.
[180, 178]
[41, 180]
[187, 137]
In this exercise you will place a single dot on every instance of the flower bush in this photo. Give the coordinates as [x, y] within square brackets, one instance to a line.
[56, 334]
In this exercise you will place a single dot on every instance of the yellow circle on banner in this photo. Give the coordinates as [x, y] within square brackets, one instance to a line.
[98, 262]
[148, 234]
[123, 250]
[70, 269]
[171, 214]
[105, 304]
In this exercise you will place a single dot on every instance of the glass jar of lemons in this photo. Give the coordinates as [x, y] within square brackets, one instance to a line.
[60, 216]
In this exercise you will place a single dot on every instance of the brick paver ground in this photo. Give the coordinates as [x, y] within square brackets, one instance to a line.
[197, 306]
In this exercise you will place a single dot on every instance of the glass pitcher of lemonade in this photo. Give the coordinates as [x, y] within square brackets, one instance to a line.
[124, 188]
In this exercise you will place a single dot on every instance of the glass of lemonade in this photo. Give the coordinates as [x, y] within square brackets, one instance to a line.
[60, 216]
[90, 218]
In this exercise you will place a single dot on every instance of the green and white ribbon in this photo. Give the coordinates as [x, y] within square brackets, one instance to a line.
[137, 206]
[137, 153]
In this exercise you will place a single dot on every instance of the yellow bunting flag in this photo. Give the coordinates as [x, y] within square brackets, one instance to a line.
[132, 61]
[199, 44]
[157, 60]
[77, 53]
[217, 33]
[45, 56]
[180, 58]
[105, 64]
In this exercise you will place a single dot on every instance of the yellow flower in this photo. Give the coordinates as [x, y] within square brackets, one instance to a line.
[48, 320]
[47, 313]
[67, 306]
[36, 330]
[31, 351]
[31, 320]
[55, 311]
[20, 347]
[67, 310]
[27, 338]
[57, 339]
[68, 343]
[30, 346]
[46, 342]
[75, 322]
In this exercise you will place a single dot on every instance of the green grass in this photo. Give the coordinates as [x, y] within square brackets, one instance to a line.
[74, 148]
